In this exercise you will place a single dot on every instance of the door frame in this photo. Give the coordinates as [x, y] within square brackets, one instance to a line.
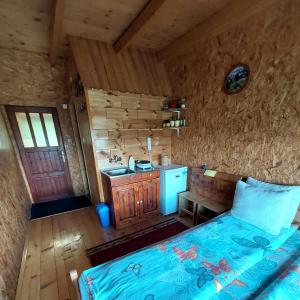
[15, 134]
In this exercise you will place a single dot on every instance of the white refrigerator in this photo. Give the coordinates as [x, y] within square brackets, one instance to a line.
[173, 179]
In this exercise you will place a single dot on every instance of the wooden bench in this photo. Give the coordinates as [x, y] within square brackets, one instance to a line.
[193, 204]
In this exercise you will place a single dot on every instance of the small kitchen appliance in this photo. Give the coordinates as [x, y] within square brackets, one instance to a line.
[143, 164]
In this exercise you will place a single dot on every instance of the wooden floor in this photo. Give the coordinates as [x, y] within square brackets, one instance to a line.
[56, 245]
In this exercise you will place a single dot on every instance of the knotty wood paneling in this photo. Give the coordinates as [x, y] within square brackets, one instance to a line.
[256, 132]
[231, 15]
[120, 123]
[15, 205]
[128, 71]
[105, 20]
[120, 127]
[87, 149]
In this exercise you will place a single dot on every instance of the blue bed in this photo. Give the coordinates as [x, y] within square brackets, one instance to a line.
[225, 258]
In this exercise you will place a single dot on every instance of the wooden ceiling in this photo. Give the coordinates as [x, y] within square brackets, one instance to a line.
[103, 20]
[25, 23]
[174, 18]
[158, 25]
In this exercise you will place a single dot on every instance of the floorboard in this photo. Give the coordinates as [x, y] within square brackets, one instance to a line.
[57, 244]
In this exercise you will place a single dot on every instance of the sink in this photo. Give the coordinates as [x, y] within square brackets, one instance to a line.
[119, 172]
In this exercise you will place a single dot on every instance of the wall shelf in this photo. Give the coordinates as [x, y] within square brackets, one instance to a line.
[176, 128]
[134, 129]
[176, 110]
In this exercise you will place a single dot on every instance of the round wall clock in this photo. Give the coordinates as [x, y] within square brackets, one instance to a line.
[236, 79]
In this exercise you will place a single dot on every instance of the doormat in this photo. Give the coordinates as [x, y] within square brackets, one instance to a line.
[44, 209]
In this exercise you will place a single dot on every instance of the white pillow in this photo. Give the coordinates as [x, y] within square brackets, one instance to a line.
[262, 208]
[294, 201]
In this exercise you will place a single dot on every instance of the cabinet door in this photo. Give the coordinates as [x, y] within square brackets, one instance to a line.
[148, 196]
[125, 205]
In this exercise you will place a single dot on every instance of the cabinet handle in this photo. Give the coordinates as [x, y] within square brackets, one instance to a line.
[150, 174]
[138, 203]
[141, 202]
[177, 176]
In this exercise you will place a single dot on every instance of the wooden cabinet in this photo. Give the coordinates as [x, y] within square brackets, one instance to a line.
[148, 194]
[126, 206]
[132, 198]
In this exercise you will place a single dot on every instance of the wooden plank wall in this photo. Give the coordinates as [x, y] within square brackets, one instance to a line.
[87, 148]
[128, 71]
[120, 123]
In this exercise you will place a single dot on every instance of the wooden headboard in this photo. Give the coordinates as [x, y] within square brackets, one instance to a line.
[219, 188]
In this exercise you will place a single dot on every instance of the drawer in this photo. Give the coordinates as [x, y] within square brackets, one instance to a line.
[122, 180]
[150, 175]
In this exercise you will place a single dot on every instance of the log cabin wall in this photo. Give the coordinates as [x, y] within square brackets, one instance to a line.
[130, 70]
[120, 123]
[14, 209]
[257, 131]
[27, 78]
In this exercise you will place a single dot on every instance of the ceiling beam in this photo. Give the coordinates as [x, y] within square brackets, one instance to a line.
[56, 29]
[135, 26]
[231, 15]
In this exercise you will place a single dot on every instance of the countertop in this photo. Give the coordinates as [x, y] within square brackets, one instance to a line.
[136, 170]
[141, 171]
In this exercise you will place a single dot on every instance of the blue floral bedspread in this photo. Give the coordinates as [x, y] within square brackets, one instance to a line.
[276, 276]
[217, 260]
[286, 286]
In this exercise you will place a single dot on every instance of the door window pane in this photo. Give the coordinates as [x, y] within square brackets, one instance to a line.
[24, 130]
[38, 129]
[51, 133]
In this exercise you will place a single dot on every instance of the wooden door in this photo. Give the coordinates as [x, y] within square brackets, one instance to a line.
[149, 196]
[38, 136]
[125, 205]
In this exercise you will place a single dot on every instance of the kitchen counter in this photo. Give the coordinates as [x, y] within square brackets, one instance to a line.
[133, 172]
[130, 177]
[131, 196]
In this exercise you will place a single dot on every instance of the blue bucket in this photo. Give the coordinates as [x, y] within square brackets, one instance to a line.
[103, 214]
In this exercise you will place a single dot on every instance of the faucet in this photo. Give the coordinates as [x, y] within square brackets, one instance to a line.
[116, 159]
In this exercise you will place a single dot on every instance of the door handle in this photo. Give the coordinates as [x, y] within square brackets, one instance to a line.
[63, 155]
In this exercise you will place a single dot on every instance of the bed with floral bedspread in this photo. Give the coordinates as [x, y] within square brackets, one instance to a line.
[225, 258]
